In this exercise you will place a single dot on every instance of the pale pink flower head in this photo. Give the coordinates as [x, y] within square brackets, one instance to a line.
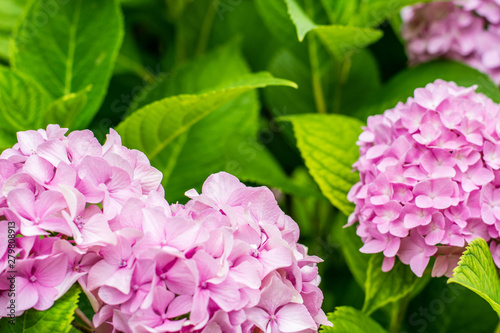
[429, 177]
[463, 30]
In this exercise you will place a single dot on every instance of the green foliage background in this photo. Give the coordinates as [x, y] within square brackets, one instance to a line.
[178, 80]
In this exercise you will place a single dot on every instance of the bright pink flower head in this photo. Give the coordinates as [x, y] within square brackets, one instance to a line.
[226, 261]
[429, 177]
[462, 30]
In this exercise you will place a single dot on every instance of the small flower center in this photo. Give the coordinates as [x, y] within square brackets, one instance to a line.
[79, 221]
[33, 278]
[203, 285]
[123, 263]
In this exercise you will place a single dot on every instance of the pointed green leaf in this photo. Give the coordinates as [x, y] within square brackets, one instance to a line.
[57, 319]
[302, 22]
[346, 319]
[328, 145]
[22, 102]
[172, 117]
[339, 39]
[477, 272]
[75, 47]
[384, 288]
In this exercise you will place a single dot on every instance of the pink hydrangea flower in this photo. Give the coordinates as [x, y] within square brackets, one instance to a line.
[462, 30]
[227, 261]
[429, 178]
[62, 200]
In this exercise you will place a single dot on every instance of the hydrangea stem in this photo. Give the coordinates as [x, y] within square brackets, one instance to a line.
[398, 314]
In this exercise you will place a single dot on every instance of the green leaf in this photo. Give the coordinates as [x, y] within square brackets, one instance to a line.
[346, 319]
[225, 139]
[339, 39]
[277, 19]
[10, 11]
[328, 145]
[477, 272]
[22, 102]
[403, 85]
[343, 40]
[384, 288]
[169, 124]
[64, 110]
[57, 319]
[249, 160]
[75, 48]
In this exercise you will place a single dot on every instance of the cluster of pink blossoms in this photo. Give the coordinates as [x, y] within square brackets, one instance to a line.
[226, 261]
[464, 30]
[430, 178]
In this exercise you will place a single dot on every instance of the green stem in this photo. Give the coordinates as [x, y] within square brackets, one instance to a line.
[343, 70]
[398, 314]
[319, 96]
[206, 27]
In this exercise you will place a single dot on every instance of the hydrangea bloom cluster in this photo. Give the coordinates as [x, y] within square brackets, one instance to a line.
[64, 198]
[226, 261]
[462, 30]
[429, 178]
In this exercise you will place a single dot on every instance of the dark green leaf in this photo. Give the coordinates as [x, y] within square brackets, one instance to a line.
[384, 288]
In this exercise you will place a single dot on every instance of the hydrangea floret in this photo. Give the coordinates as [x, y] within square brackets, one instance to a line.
[429, 178]
[464, 30]
[228, 260]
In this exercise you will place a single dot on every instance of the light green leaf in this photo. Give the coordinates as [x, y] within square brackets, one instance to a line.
[384, 288]
[328, 145]
[477, 272]
[346, 319]
[403, 85]
[22, 102]
[75, 48]
[64, 110]
[57, 319]
[302, 22]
